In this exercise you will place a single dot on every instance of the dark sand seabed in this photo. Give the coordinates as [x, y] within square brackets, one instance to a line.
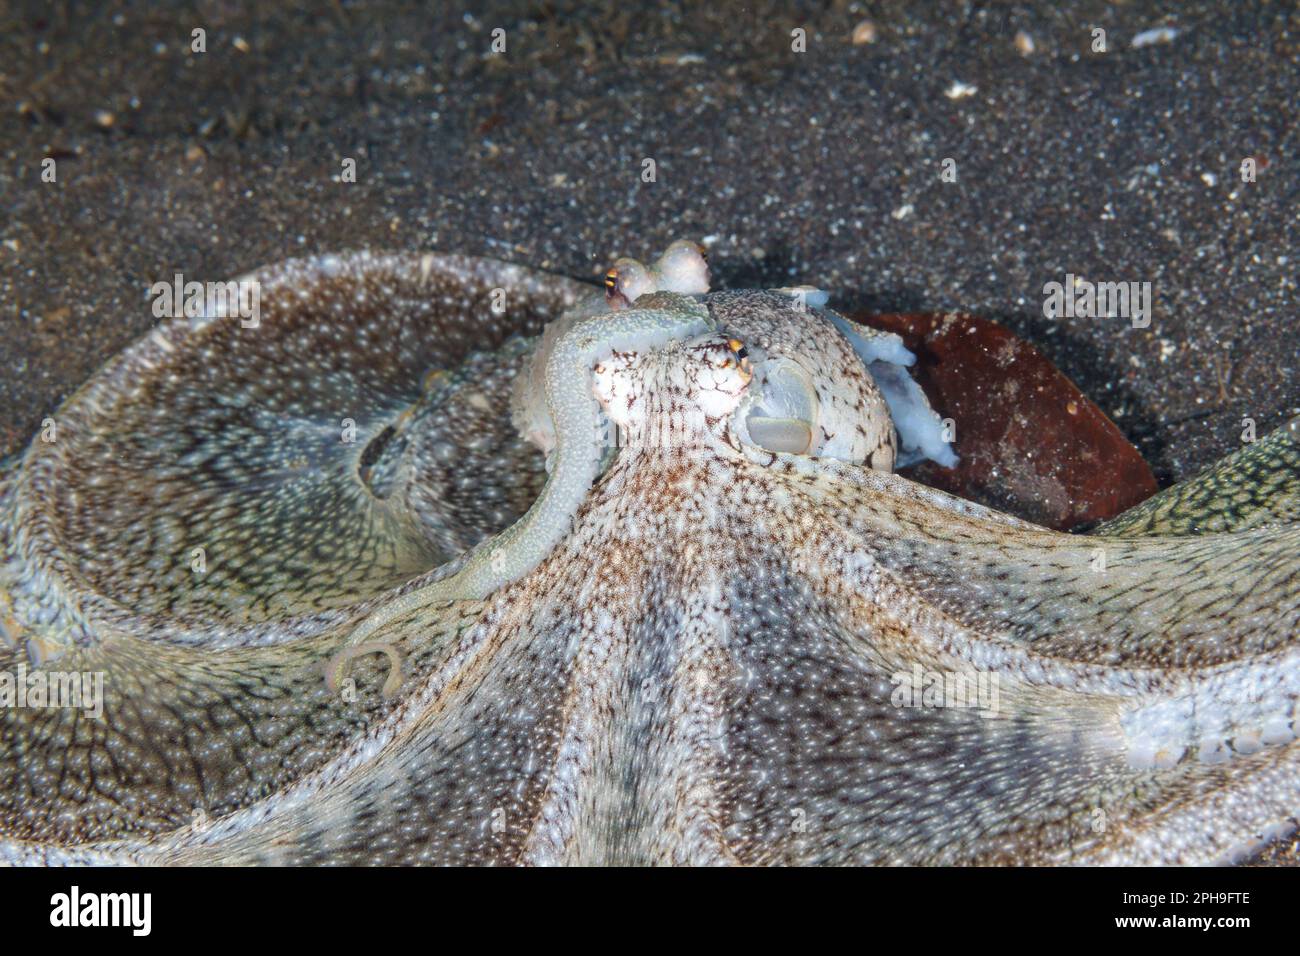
[820, 167]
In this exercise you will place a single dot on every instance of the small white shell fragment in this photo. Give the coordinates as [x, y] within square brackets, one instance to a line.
[1153, 36]
[864, 32]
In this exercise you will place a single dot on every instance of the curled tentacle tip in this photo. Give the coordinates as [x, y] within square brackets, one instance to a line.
[334, 669]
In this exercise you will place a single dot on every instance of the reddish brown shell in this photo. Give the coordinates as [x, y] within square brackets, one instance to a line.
[1030, 442]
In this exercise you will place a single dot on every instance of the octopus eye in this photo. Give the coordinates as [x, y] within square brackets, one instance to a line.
[738, 347]
[611, 281]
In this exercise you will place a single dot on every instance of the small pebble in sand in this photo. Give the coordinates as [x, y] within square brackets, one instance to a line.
[959, 90]
[864, 32]
[1024, 43]
[105, 119]
[1154, 36]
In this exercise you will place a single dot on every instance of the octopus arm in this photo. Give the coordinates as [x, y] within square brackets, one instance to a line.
[1257, 484]
[767, 692]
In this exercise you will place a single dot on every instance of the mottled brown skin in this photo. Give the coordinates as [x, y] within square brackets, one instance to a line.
[703, 671]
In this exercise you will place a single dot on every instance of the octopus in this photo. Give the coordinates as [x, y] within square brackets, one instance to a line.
[444, 560]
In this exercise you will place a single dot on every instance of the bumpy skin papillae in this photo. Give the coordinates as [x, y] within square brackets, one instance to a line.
[704, 670]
